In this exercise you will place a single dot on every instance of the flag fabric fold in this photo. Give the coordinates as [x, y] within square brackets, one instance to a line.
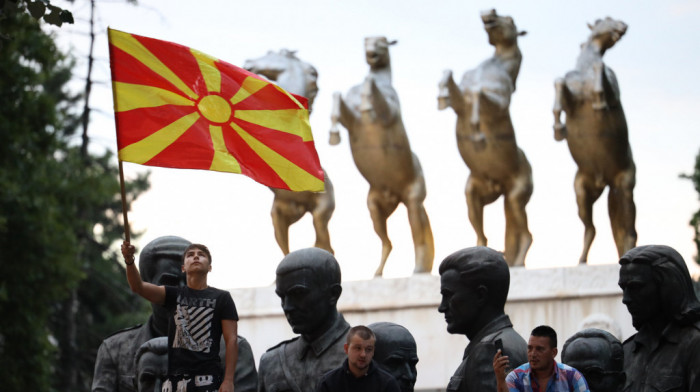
[180, 108]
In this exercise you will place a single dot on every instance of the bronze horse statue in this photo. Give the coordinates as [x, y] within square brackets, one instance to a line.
[297, 77]
[381, 151]
[596, 131]
[486, 138]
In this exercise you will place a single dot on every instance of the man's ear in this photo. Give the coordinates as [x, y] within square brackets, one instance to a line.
[345, 347]
[555, 351]
[482, 294]
[334, 292]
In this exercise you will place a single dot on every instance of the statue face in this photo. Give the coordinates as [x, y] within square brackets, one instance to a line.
[592, 357]
[150, 371]
[400, 361]
[167, 272]
[306, 305]
[640, 293]
[458, 303]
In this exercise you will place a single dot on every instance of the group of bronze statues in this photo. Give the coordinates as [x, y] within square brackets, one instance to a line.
[595, 129]
[663, 355]
[657, 289]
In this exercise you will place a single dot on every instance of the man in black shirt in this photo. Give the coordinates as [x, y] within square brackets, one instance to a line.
[199, 316]
[358, 372]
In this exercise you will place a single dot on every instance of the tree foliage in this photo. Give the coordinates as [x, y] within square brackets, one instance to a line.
[39, 9]
[61, 288]
[695, 220]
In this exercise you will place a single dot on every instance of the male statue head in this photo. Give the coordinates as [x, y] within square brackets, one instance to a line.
[308, 284]
[599, 356]
[395, 351]
[151, 364]
[160, 263]
[474, 285]
[656, 288]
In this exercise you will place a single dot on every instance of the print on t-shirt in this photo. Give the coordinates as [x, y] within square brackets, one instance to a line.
[193, 318]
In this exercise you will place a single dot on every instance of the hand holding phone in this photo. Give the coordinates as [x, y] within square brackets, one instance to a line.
[499, 346]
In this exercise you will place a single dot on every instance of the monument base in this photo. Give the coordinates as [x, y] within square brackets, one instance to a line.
[563, 298]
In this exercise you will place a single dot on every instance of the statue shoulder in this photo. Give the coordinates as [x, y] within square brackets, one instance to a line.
[124, 331]
[280, 344]
[629, 340]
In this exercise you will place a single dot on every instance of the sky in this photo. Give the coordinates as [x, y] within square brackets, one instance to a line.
[654, 63]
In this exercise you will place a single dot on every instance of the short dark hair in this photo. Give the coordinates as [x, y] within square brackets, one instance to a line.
[617, 354]
[361, 331]
[482, 265]
[545, 331]
[323, 264]
[201, 247]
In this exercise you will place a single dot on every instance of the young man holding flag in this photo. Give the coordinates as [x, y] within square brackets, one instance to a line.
[200, 315]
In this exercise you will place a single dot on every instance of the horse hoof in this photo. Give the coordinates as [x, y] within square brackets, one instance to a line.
[559, 132]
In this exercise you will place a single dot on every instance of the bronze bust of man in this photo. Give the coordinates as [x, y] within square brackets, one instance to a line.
[308, 284]
[598, 355]
[159, 263]
[151, 364]
[664, 354]
[474, 284]
[395, 351]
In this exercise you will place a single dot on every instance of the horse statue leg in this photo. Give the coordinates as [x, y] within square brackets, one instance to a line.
[449, 94]
[622, 210]
[284, 213]
[588, 190]
[420, 224]
[325, 205]
[477, 136]
[381, 205]
[518, 237]
[599, 103]
[343, 114]
[559, 96]
[479, 193]
[375, 106]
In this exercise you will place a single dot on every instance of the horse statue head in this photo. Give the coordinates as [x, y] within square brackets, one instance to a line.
[500, 29]
[607, 32]
[377, 52]
[287, 71]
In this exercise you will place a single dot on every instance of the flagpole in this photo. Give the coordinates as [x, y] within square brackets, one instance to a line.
[124, 211]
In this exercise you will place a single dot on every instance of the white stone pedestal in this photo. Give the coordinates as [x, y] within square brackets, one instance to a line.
[559, 297]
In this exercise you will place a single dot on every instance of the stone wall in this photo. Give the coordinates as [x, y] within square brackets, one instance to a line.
[560, 297]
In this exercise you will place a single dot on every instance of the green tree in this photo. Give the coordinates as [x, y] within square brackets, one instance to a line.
[61, 288]
[695, 220]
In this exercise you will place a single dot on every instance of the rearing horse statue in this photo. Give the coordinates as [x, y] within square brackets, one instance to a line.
[381, 151]
[486, 138]
[297, 77]
[596, 131]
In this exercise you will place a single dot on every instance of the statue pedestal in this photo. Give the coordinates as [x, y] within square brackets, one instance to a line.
[559, 297]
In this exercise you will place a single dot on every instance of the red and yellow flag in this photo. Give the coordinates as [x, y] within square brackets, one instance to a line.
[178, 107]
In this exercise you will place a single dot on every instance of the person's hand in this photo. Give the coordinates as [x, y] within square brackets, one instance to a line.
[500, 364]
[128, 252]
[226, 386]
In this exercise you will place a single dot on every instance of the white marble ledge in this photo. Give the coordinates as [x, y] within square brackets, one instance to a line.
[423, 290]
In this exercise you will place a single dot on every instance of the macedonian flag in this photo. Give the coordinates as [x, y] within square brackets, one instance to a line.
[178, 107]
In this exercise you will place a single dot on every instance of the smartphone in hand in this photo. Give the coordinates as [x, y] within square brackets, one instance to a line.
[499, 346]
